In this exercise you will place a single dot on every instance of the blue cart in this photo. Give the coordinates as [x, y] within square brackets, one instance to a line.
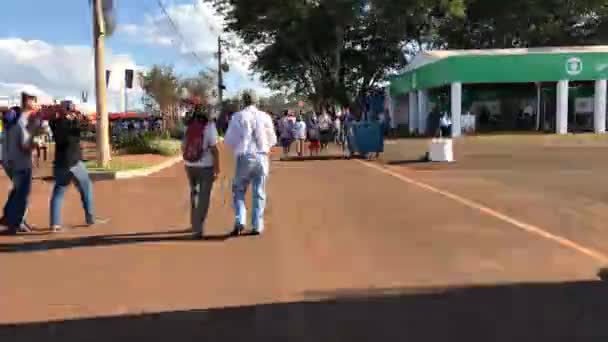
[364, 138]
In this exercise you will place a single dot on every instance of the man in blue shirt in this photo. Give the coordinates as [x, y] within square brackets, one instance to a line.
[18, 164]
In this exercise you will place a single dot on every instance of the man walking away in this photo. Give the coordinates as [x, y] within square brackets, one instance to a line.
[250, 136]
[286, 132]
[325, 124]
[68, 166]
[314, 137]
[18, 164]
[300, 135]
[338, 130]
[202, 160]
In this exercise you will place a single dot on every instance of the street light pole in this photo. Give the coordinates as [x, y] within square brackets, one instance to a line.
[103, 143]
[220, 75]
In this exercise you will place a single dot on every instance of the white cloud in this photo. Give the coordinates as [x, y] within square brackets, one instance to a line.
[56, 71]
[200, 25]
[197, 22]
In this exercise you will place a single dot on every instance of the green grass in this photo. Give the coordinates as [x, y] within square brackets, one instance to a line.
[166, 147]
[147, 145]
[115, 165]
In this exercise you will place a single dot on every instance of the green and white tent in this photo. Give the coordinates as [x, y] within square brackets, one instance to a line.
[455, 68]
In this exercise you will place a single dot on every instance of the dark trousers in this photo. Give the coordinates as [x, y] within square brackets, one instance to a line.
[17, 201]
[201, 182]
[445, 132]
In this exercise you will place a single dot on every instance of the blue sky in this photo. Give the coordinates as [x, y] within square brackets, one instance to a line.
[57, 35]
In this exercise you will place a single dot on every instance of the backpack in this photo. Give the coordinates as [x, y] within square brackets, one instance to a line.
[193, 150]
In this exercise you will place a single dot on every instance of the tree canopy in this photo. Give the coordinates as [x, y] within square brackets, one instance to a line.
[200, 87]
[166, 92]
[335, 51]
[161, 84]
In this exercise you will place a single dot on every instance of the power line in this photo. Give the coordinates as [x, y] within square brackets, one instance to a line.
[179, 33]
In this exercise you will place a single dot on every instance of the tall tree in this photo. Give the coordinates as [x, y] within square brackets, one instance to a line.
[162, 85]
[330, 51]
[199, 87]
[526, 23]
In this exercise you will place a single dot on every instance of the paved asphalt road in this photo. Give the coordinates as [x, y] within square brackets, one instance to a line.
[350, 253]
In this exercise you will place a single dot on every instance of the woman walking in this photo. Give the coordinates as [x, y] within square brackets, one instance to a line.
[300, 135]
[202, 161]
[314, 137]
[286, 132]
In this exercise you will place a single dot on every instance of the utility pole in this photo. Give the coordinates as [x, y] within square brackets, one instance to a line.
[103, 143]
[220, 75]
[123, 97]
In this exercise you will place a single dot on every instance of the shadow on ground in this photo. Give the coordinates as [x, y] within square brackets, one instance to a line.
[104, 240]
[420, 161]
[575, 311]
[307, 158]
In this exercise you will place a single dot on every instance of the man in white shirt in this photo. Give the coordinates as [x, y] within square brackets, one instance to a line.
[445, 125]
[250, 135]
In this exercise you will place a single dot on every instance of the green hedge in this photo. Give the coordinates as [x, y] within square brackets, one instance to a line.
[146, 143]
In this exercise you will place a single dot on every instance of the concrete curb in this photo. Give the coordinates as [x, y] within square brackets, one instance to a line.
[113, 175]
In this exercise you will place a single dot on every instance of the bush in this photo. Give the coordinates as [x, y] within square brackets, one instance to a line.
[146, 143]
[178, 132]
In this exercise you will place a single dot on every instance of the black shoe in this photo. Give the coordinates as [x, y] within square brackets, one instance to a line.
[198, 236]
[255, 233]
[238, 229]
[11, 231]
[603, 274]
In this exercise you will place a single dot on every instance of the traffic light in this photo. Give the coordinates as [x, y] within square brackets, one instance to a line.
[108, 73]
[129, 78]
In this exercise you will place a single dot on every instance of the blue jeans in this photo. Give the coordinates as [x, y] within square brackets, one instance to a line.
[11, 193]
[250, 169]
[63, 178]
[17, 202]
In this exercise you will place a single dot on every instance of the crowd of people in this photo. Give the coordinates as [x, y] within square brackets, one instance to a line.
[129, 126]
[250, 135]
[317, 129]
[24, 131]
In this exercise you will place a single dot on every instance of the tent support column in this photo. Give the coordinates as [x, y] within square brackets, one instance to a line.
[456, 108]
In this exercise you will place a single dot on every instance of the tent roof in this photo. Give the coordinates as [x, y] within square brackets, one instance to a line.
[432, 69]
[428, 57]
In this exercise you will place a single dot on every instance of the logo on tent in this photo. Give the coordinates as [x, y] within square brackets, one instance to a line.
[574, 66]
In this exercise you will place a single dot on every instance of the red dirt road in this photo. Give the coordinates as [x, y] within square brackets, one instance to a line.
[349, 254]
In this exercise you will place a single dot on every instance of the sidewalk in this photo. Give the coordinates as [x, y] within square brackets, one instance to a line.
[381, 259]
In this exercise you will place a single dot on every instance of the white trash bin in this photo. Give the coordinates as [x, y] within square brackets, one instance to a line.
[441, 150]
